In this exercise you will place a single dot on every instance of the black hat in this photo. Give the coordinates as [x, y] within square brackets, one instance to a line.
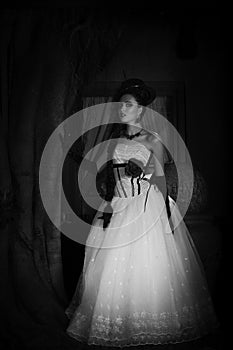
[144, 93]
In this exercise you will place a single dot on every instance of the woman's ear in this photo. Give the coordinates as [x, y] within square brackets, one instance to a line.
[139, 111]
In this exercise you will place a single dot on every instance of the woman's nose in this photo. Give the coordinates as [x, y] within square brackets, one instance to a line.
[122, 107]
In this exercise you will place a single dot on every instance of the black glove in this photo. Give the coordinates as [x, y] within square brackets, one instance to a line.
[107, 214]
[160, 182]
[87, 164]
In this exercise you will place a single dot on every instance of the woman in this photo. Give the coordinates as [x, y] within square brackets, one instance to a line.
[142, 280]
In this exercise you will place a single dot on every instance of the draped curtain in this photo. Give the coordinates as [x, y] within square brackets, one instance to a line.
[93, 118]
[47, 57]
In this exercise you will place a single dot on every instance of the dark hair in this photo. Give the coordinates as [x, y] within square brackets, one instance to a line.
[135, 93]
[142, 93]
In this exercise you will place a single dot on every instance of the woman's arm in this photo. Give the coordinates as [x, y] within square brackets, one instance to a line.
[158, 155]
[158, 176]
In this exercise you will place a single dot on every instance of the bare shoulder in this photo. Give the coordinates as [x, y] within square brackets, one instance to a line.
[151, 141]
[153, 137]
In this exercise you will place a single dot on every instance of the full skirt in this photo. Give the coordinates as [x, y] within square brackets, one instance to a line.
[141, 283]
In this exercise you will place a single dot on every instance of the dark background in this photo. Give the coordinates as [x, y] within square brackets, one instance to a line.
[49, 55]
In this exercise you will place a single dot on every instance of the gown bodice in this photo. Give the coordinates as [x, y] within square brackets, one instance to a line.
[127, 150]
[127, 186]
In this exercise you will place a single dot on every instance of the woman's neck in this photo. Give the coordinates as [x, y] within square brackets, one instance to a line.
[133, 128]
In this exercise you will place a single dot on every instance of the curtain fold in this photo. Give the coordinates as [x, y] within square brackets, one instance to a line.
[92, 117]
[46, 61]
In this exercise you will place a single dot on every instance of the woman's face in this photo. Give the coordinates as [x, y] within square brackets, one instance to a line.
[129, 110]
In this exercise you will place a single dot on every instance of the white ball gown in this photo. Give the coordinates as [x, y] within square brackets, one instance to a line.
[141, 283]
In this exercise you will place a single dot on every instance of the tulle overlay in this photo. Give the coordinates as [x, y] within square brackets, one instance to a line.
[141, 284]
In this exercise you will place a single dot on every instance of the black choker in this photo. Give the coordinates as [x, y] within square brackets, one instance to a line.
[130, 137]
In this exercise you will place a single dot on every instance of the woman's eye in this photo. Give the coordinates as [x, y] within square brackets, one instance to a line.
[128, 104]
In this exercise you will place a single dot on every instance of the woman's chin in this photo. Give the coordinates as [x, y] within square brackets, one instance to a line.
[123, 120]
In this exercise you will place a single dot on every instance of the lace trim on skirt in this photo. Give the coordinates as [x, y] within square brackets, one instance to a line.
[141, 328]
